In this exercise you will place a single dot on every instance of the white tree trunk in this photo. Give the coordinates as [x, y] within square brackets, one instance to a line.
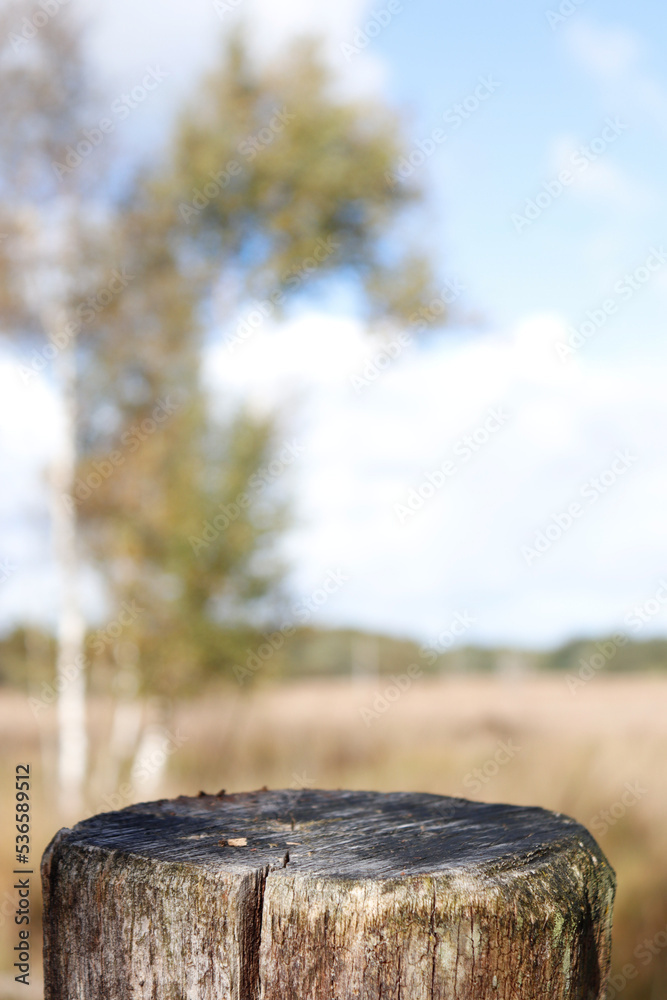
[150, 762]
[70, 660]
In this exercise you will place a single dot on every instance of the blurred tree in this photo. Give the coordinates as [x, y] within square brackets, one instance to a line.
[279, 183]
[45, 102]
[274, 185]
[158, 471]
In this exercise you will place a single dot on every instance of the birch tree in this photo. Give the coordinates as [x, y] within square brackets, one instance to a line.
[274, 188]
[42, 271]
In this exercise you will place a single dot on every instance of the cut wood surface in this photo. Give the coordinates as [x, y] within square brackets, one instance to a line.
[306, 895]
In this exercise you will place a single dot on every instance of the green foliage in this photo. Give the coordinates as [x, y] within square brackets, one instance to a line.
[160, 467]
[309, 652]
[608, 656]
[271, 164]
[309, 185]
[45, 99]
[301, 199]
[26, 656]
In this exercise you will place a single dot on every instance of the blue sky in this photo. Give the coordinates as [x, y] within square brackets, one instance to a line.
[558, 86]
[565, 421]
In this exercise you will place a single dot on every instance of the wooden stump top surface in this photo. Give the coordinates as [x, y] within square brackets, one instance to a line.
[343, 834]
[326, 895]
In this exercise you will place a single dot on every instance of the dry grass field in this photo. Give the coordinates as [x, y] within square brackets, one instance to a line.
[598, 755]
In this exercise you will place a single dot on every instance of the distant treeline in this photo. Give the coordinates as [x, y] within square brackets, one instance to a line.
[27, 659]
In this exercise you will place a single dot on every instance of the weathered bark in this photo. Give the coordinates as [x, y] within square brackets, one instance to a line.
[313, 894]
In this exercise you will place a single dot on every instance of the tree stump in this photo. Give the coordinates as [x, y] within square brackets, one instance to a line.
[306, 895]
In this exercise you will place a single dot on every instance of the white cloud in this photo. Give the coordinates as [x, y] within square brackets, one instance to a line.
[601, 180]
[366, 451]
[615, 58]
[30, 429]
[605, 51]
[125, 36]
[184, 40]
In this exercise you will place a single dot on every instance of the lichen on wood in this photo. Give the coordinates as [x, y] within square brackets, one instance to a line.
[307, 895]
